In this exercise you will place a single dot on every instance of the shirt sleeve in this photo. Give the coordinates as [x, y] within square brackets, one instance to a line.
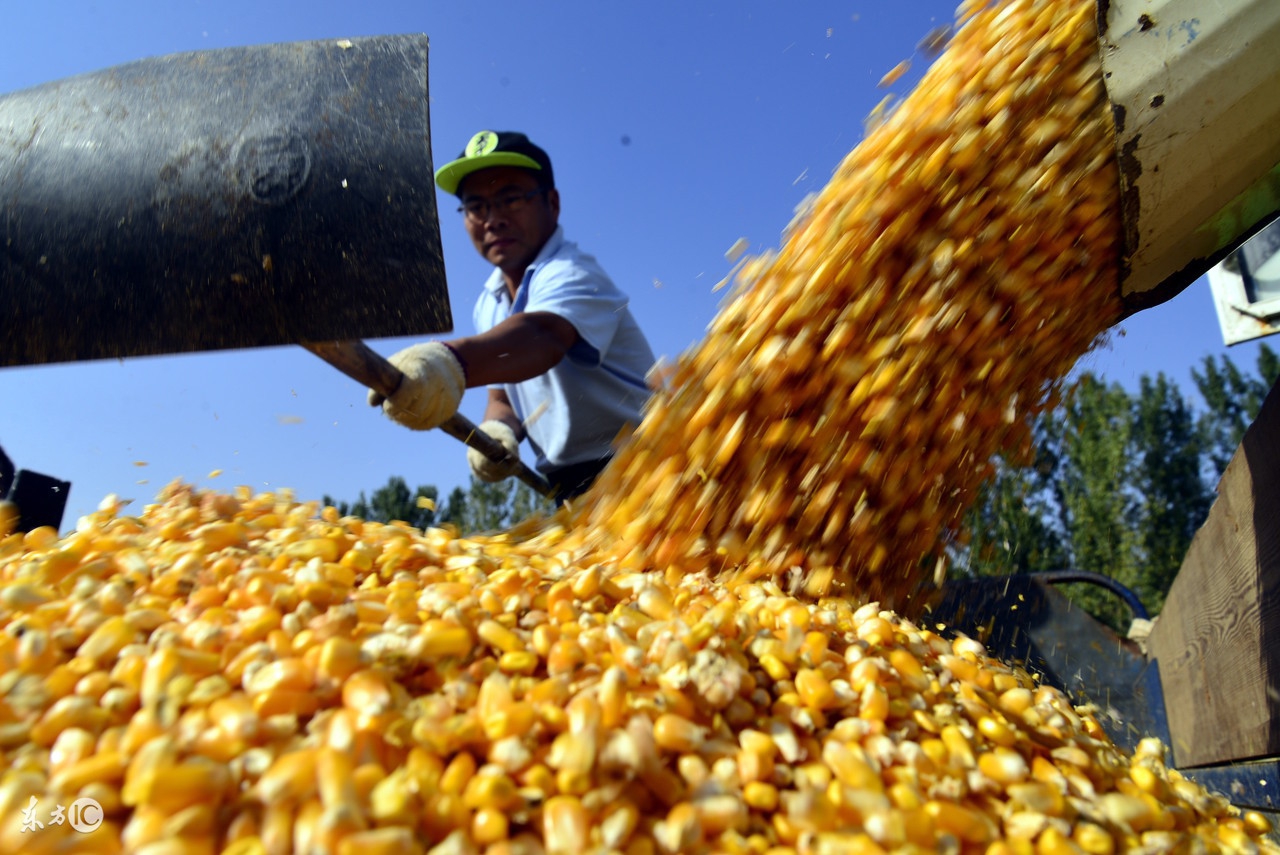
[484, 317]
[584, 296]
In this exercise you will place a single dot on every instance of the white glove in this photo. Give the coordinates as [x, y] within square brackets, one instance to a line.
[488, 470]
[431, 390]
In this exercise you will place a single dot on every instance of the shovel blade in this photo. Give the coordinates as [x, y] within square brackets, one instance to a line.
[231, 198]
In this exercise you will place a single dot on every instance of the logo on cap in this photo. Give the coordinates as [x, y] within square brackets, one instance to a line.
[482, 143]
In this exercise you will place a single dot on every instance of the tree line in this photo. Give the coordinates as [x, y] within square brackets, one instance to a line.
[478, 507]
[1118, 483]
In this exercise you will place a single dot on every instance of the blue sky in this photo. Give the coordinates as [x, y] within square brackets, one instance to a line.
[676, 128]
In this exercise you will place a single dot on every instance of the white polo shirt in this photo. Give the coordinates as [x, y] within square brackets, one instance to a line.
[599, 387]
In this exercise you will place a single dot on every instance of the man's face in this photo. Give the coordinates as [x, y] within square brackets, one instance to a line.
[516, 221]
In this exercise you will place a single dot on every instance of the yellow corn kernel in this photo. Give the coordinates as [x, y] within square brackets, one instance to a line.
[851, 767]
[958, 747]
[681, 830]
[456, 775]
[997, 731]
[565, 825]
[815, 689]
[618, 823]
[966, 824]
[1004, 766]
[337, 659]
[68, 712]
[172, 788]
[368, 692]
[490, 790]
[1126, 811]
[489, 825]
[760, 796]
[656, 603]
[774, 667]
[393, 799]
[500, 638]
[441, 641]
[111, 636]
[909, 668]
[106, 768]
[393, 840]
[678, 734]
[245, 846]
[1093, 839]
[564, 657]
[521, 662]
[71, 746]
[1257, 823]
[1016, 701]
[290, 779]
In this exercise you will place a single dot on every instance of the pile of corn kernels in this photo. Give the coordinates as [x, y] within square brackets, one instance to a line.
[250, 674]
[253, 675]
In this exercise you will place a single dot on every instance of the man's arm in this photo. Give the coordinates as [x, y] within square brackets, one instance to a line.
[499, 409]
[524, 346]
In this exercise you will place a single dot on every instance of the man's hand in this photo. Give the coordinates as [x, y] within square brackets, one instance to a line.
[431, 390]
[488, 470]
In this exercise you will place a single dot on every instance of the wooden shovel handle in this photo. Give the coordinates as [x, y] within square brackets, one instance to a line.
[356, 360]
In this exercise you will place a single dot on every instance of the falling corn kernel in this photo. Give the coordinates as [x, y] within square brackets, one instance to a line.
[737, 250]
[895, 74]
[873, 324]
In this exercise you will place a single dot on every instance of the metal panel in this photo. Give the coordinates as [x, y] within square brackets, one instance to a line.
[1254, 784]
[1195, 89]
[221, 199]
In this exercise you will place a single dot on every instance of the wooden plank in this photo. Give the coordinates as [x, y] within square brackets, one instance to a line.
[1217, 640]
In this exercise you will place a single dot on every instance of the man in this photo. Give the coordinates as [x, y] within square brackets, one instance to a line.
[563, 358]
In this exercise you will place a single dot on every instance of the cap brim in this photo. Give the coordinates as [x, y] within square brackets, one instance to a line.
[449, 176]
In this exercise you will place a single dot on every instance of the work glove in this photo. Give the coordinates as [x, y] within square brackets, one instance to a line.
[431, 390]
[488, 470]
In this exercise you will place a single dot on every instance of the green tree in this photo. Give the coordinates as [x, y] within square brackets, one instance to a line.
[526, 503]
[1173, 499]
[393, 501]
[491, 507]
[1010, 527]
[1095, 500]
[1232, 400]
[454, 512]
[488, 504]
[1119, 484]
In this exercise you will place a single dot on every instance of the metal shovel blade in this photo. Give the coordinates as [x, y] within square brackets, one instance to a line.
[231, 198]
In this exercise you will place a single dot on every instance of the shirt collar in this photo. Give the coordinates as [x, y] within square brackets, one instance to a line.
[497, 286]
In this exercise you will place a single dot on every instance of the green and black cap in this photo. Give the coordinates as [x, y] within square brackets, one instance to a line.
[496, 148]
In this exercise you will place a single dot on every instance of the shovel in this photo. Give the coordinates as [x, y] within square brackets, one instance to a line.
[356, 360]
[232, 198]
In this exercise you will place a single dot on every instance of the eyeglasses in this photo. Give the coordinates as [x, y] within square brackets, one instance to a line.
[478, 210]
